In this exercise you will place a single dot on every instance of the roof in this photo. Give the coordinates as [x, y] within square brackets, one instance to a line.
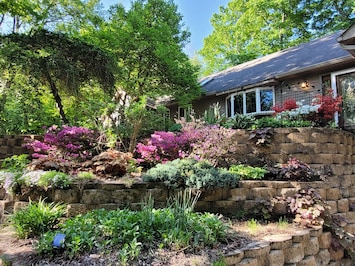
[267, 69]
[347, 40]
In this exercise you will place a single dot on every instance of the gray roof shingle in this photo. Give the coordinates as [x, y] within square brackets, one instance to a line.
[295, 59]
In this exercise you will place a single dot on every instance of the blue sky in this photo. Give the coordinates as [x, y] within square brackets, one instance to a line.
[196, 17]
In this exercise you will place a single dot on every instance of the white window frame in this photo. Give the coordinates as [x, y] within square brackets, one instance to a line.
[333, 80]
[257, 101]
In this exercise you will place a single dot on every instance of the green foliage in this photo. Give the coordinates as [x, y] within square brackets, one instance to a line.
[253, 225]
[148, 40]
[240, 121]
[248, 172]
[15, 163]
[190, 173]
[54, 179]
[41, 53]
[213, 116]
[37, 218]
[273, 122]
[131, 231]
[244, 30]
[24, 110]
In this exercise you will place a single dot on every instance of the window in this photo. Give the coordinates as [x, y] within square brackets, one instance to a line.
[184, 112]
[255, 101]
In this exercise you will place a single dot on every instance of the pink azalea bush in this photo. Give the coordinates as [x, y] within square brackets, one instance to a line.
[76, 143]
[195, 140]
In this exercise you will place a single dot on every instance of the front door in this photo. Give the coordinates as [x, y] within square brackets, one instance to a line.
[346, 87]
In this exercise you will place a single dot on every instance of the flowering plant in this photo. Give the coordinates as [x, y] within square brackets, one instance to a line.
[195, 140]
[65, 143]
[320, 112]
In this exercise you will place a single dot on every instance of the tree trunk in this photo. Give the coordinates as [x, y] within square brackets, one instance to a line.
[55, 93]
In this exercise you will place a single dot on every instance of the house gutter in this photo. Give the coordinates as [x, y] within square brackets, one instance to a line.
[305, 69]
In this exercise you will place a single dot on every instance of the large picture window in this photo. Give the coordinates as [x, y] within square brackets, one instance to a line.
[255, 101]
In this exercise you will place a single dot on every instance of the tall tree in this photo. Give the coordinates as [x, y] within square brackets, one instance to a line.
[27, 15]
[56, 61]
[147, 41]
[247, 29]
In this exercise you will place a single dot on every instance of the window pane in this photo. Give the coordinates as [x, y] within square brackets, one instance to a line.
[251, 102]
[229, 111]
[238, 104]
[266, 100]
[181, 112]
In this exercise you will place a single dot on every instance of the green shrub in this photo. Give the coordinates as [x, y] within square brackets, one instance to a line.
[273, 122]
[15, 163]
[248, 172]
[54, 179]
[190, 173]
[240, 121]
[37, 218]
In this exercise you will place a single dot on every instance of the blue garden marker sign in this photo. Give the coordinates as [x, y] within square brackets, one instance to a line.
[58, 240]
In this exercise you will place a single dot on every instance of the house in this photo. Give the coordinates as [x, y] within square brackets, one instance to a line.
[300, 73]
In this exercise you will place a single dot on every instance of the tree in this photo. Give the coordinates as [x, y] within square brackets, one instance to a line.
[27, 15]
[56, 61]
[247, 29]
[147, 41]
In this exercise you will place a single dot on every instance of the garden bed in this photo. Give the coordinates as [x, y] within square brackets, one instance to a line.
[21, 252]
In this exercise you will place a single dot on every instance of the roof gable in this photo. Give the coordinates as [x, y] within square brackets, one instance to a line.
[265, 69]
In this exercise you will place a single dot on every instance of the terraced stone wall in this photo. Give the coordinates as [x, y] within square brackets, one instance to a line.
[12, 145]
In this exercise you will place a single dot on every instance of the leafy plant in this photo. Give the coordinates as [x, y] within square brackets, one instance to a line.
[15, 163]
[275, 122]
[329, 105]
[213, 116]
[54, 179]
[37, 218]
[190, 173]
[253, 225]
[308, 207]
[248, 172]
[131, 231]
[294, 170]
[261, 137]
[240, 121]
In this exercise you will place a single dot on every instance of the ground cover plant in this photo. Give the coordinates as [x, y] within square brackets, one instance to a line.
[125, 233]
[182, 173]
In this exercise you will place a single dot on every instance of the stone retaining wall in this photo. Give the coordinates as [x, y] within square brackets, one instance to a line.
[321, 148]
[305, 247]
[12, 145]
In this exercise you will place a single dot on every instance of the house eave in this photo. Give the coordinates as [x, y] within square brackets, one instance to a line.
[269, 82]
[313, 67]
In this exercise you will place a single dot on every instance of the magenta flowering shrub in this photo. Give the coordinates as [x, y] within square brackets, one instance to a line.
[195, 140]
[68, 142]
[163, 147]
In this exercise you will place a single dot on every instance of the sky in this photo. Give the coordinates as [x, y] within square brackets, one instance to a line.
[196, 17]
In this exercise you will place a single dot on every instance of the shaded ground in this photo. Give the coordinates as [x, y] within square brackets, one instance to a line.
[20, 252]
